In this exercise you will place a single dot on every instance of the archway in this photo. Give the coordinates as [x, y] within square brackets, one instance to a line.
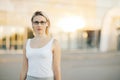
[109, 31]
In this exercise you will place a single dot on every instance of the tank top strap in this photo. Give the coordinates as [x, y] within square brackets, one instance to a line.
[28, 42]
[51, 42]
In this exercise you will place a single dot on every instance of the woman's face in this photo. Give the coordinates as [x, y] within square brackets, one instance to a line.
[39, 24]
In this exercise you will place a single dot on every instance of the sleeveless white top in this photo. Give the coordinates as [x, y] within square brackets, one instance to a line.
[40, 60]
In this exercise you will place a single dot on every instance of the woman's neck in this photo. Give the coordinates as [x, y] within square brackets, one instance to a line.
[40, 36]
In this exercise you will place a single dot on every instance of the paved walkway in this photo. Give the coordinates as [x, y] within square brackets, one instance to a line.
[76, 65]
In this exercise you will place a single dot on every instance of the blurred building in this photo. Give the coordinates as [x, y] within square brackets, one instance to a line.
[101, 30]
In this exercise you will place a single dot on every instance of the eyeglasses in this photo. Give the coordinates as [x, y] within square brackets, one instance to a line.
[41, 22]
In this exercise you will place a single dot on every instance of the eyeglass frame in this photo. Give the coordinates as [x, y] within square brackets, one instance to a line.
[41, 22]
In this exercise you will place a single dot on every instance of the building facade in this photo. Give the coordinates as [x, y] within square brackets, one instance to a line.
[102, 23]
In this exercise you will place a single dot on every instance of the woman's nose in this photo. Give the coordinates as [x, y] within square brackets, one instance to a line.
[39, 25]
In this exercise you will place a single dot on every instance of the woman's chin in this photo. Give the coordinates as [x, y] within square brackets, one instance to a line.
[39, 32]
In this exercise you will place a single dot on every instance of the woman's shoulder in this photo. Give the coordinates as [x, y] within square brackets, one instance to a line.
[25, 42]
[56, 42]
[56, 46]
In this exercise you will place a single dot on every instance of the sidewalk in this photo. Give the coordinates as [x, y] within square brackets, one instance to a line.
[75, 65]
[88, 54]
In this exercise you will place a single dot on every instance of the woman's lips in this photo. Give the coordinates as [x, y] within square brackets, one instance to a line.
[39, 29]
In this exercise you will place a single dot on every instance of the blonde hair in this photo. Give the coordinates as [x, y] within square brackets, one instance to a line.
[37, 13]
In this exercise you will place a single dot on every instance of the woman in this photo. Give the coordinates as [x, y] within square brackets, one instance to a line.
[41, 54]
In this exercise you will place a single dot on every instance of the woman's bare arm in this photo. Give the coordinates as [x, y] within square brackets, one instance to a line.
[57, 60]
[24, 64]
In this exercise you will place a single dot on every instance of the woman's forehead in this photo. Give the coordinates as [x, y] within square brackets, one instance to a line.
[39, 18]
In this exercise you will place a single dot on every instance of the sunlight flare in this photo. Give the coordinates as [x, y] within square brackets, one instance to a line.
[71, 23]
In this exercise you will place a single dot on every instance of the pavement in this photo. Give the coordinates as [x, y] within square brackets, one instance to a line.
[75, 65]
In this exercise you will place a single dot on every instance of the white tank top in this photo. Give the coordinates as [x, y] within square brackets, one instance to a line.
[40, 60]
